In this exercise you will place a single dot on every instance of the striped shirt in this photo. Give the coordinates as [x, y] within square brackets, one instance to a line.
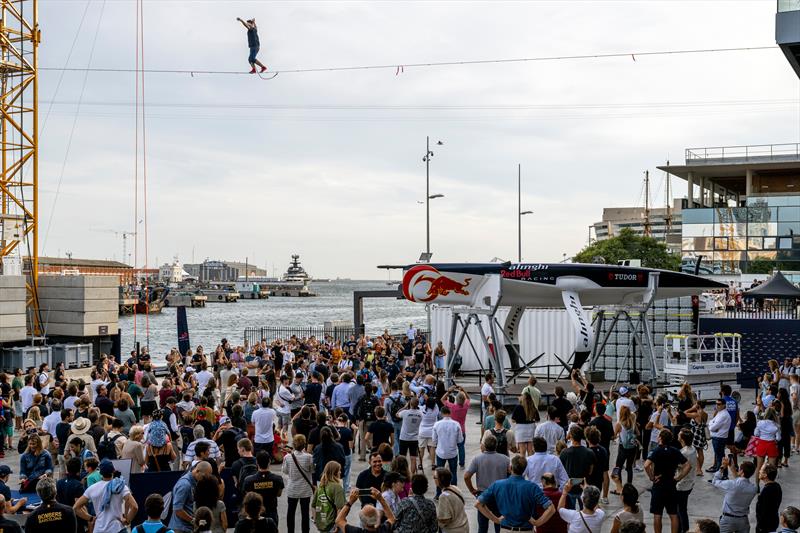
[297, 486]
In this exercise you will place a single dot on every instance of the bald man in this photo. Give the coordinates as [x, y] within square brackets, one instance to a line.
[369, 516]
[183, 499]
[6, 525]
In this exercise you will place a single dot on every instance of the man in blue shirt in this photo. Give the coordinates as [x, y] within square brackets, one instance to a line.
[183, 498]
[154, 505]
[516, 499]
[732, 406]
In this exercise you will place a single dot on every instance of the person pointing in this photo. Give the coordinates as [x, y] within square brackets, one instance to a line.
[253, 43]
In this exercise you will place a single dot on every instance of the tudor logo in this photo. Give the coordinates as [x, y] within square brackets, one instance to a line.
[423, 283]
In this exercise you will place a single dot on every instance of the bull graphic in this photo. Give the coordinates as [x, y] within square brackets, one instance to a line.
[442, 286]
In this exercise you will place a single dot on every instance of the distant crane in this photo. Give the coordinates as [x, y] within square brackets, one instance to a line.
[125, 235]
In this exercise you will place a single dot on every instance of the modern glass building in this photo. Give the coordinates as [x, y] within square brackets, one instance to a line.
[742, 212]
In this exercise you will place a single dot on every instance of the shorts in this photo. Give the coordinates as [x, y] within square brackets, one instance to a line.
[664, 499]
[9, 428]
[796, 417]
[253, 54]
[265, 446]
[425, 442]
[766, 448]
[410, 447]
[439, 362]
[284, 420]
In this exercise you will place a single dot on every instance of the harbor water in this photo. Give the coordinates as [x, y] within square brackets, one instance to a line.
[334, 301]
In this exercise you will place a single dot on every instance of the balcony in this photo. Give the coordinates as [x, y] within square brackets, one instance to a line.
[761, 153]
[787, 31]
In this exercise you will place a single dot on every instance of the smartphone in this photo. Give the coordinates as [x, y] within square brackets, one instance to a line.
[365, 492]
[576, 481]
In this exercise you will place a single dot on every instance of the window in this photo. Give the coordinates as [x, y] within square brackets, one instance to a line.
[738, 243]
[698, 216]
[788, 228]
[769, 243]
[785, 243]
[698, 230]
[789, 214]
[721, 243]
[755, 243]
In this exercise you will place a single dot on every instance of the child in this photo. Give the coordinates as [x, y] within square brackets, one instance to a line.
[92, 475]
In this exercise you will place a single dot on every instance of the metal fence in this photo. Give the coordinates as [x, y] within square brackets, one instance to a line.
[253, 335]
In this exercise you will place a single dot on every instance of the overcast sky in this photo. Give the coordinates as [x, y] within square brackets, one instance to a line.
[340, 185]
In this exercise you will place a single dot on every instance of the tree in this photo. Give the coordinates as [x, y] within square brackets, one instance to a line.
[628, 245]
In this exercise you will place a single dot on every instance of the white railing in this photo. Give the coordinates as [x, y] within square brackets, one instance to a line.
[720, 353]
[756, 151]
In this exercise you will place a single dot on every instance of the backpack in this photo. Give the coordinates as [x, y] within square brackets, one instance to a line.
[325, 514]
[627, 438]
[502, 440]
[166, 514]
[238, 434]
[366, 410]
[158, 434]
[247, 470]
[397, 404]
[107, 448]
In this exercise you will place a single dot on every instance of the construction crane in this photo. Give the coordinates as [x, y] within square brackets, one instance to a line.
[125, 235]
[19, 136]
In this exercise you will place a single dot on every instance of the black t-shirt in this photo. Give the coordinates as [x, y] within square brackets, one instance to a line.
[563, 406]
[600, 466]
[68, 490]
[262, 525]
[52, 517]
[237, 465]
[303, 427]
[606, 429]
[578, 461]
[366, 480]
[312, 393]
[666, 461]
[768, 506]
[9, 526]
[381, 431]
[268, 485]
[228, 440]
[345, 438]
[5, 491]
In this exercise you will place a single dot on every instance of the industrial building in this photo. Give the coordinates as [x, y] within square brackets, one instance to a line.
[661, 223]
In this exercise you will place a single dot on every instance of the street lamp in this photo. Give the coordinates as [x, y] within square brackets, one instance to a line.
[520, 213]
[428, 196]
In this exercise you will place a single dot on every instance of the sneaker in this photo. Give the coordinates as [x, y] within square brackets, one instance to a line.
[639, 468]
[263, 69]
[604, 501]
[253, 70]
[711, 470]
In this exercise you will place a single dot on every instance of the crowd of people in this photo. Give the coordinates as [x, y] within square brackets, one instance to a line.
[292, 418]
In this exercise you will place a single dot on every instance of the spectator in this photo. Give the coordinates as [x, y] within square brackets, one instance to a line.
[199, 434]
[633, 526]
[34, 464]
[263, 419]
[684, 486]
[183, 497]
[430, 415]
[704, 525]
[499, 430]
[369, 516]
[450, 511]
[7, 526]
[202, 520]
[365, 415]
[790, 520]
[69, 488]
[393, 404]
[409, 432]
[135, 449]
[589, 518]
[665, 467]
[551, 431]
[739, 492]
[767, 434]
[346, 439]
[206, 494]
[446, 436]
[525, 416]
[599, 475]
[50, 515]
[328, 498]
[371, 478]
[551, 490]
[489, 467]
[326, 451]
[631, 510]
[154, 506]
[417, 514]
[113, 503]
[380, 430]
[542, 462]
[251, 520]
[768, 504]
[266, 484]
[718, 427]
[394, 489]
[579, 462]
[298, 467]
[515, 499]
[458, 412]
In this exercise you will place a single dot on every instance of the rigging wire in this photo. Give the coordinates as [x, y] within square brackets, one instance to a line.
[136, 185]
[431, 64]
[144, 175]
[72, 130]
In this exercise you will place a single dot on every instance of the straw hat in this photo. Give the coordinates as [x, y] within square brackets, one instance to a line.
[80, 426]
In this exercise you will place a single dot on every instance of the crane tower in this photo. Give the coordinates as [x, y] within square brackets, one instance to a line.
[19, 138]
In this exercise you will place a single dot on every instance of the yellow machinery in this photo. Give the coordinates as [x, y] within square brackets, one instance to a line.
[19, 129]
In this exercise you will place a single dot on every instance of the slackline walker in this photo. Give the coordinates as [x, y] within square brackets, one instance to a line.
[253, 43]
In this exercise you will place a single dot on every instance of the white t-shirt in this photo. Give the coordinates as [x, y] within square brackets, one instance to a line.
[285, 399]
[203, 377]
[575, 524]
[429, 418]
[486, 390]
[26, 394]
[662, 420]
[412, 418]
[263, 419]
[627, 402]
[108, 520]
[44, 383]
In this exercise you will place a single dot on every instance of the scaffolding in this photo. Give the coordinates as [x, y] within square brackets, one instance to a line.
[19, 131]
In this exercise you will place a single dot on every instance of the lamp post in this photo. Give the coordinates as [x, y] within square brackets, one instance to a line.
[520, 213]
[428, 195]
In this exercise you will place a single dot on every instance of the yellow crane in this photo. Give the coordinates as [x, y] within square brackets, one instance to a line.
[19, 135]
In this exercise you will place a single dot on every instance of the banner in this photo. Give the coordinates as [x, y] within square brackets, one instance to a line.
[183, 331]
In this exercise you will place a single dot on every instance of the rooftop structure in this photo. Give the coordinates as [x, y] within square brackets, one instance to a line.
[787, 31]
[742, 211]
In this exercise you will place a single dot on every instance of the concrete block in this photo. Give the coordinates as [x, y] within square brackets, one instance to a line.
[12, 308]
[12, 321]
[81, 330]
[13, 295]
[81, 305]
[79, 317]
[13, 334]
[78, 293]
[12, 282]
[94, 282]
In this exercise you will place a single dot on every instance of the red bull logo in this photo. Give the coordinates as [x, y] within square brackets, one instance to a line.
[423, 283]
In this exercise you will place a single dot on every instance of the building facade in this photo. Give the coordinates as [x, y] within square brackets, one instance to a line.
[664, 224]
[743, 208]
